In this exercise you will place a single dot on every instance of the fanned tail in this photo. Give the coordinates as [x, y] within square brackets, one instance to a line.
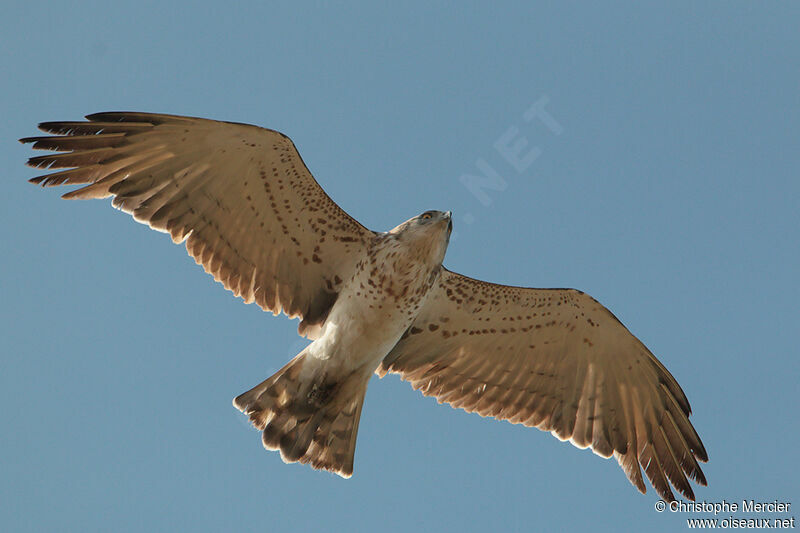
[312, 421]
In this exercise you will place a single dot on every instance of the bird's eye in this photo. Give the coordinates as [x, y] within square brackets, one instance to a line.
[426, 216]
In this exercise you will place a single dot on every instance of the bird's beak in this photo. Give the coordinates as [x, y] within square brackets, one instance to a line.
[449, 217]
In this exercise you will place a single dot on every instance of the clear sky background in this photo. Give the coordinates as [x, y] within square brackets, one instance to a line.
[670, 194]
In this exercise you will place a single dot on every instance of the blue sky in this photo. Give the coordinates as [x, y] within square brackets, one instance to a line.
[668, 191]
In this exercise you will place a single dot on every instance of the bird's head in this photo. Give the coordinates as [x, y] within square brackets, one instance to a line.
[429, 232]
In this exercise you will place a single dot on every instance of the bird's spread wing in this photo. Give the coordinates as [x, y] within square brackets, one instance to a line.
[558, 360]
[240, 196]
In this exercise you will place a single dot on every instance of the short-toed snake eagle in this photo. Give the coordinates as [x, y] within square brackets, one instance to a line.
[251, 213]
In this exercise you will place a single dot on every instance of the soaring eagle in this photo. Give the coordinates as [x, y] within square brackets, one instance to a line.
[253, 216]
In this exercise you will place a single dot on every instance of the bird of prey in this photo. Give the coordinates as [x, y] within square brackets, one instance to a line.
[253, 216]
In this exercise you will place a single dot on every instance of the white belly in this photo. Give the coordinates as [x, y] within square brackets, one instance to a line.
[364, 324]
[359, 333]
[373, 310]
